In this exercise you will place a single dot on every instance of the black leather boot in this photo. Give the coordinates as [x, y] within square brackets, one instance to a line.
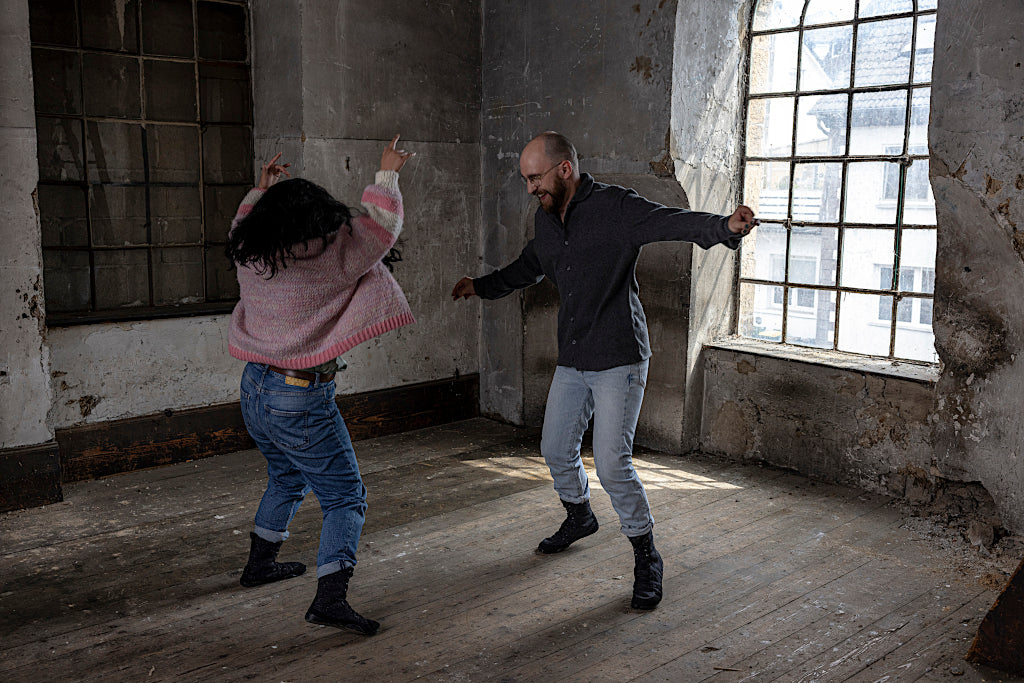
[263, 567]
[580, 522]
[330, 608]
[647, 572]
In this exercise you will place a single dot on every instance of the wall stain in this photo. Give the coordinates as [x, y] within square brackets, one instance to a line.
[992, 186]
[87, 403]
[643, 66]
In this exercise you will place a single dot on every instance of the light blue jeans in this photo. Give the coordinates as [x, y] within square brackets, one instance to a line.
[301, 434]
[612, 397]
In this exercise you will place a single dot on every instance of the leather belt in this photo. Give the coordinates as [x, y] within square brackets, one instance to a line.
[302, 374]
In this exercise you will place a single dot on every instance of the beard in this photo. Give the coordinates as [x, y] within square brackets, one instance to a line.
[556, 196]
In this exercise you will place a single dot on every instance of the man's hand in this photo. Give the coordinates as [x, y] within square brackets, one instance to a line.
[272, 171]
[463, 289]
[394, 159]
[742, 220]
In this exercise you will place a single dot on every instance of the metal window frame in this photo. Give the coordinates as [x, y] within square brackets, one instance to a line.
[904, 160]
[151, 310]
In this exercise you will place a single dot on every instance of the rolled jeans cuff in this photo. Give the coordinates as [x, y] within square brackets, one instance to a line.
[332, 567]
[271, 535]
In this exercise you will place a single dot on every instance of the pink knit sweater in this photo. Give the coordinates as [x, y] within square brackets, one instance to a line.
[325, 302]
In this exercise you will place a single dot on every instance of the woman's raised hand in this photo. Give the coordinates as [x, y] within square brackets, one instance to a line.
[272, 171]
[394, 159]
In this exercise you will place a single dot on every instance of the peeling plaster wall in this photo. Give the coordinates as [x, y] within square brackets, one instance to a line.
[332, 83]
[603, 79]
[976, 139]
[850, 426]
[24, 358]
[707, 115]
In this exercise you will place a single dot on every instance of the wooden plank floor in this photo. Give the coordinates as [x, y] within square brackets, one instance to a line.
[768, 577]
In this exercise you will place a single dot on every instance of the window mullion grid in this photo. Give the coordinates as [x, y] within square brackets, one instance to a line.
[145, 155]
[202, 171]
[85, 162]
[905, 161]
[786, 288]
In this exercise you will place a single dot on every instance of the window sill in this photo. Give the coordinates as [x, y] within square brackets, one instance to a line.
[926, 373]
[132, 314]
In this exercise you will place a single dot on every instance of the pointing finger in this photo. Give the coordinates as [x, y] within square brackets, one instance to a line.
[394, 142]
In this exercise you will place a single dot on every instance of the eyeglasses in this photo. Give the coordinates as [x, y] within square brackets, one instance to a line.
[537, 177]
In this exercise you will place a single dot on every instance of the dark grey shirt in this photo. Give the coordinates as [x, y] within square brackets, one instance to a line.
[591, 259]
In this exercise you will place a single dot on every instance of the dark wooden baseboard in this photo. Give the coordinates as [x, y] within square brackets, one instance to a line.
[120, 446]
[29, 476]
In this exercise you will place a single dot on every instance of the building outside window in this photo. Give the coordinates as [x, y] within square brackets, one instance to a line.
[836, 168]
[144, 131]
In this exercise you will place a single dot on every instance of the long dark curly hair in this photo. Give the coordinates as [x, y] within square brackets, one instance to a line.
[290, 213]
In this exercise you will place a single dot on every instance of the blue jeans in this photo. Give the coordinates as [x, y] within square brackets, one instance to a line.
[301, 434]
[613, 398]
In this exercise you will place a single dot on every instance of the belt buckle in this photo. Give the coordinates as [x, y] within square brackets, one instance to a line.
[296, 381]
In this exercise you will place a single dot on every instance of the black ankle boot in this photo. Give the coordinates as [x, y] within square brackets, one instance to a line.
[262, 566]
[647, 572]
[330, 608]
[580, 522]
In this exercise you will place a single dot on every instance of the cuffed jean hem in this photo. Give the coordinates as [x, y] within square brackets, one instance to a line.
[634, 533]
[271, 535]
[332, 568]
[574, 500]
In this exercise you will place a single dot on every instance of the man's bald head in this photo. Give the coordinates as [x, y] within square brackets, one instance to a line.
[555, 147]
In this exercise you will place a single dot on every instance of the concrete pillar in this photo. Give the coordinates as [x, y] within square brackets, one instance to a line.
[29, 467]
[976, 140]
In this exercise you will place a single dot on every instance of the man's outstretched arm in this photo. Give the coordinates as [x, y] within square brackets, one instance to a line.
[519, 274]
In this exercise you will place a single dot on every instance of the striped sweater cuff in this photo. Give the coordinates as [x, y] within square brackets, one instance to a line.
[387, 179]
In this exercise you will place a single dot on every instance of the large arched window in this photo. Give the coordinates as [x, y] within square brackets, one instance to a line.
[836, 168]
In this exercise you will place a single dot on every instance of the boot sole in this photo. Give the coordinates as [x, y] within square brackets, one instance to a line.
[541, 551]
[253, 584]
[645, 606]
[313, 619]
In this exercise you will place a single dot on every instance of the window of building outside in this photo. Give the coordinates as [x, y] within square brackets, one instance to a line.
[836, 168]
[144, 128]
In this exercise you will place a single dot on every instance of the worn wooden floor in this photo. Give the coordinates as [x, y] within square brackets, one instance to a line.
[769, 577]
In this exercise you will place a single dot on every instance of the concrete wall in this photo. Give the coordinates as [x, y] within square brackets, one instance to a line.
[332, 83]
[852, 421]
[604, 79]
[24, 358]
[976, 138]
